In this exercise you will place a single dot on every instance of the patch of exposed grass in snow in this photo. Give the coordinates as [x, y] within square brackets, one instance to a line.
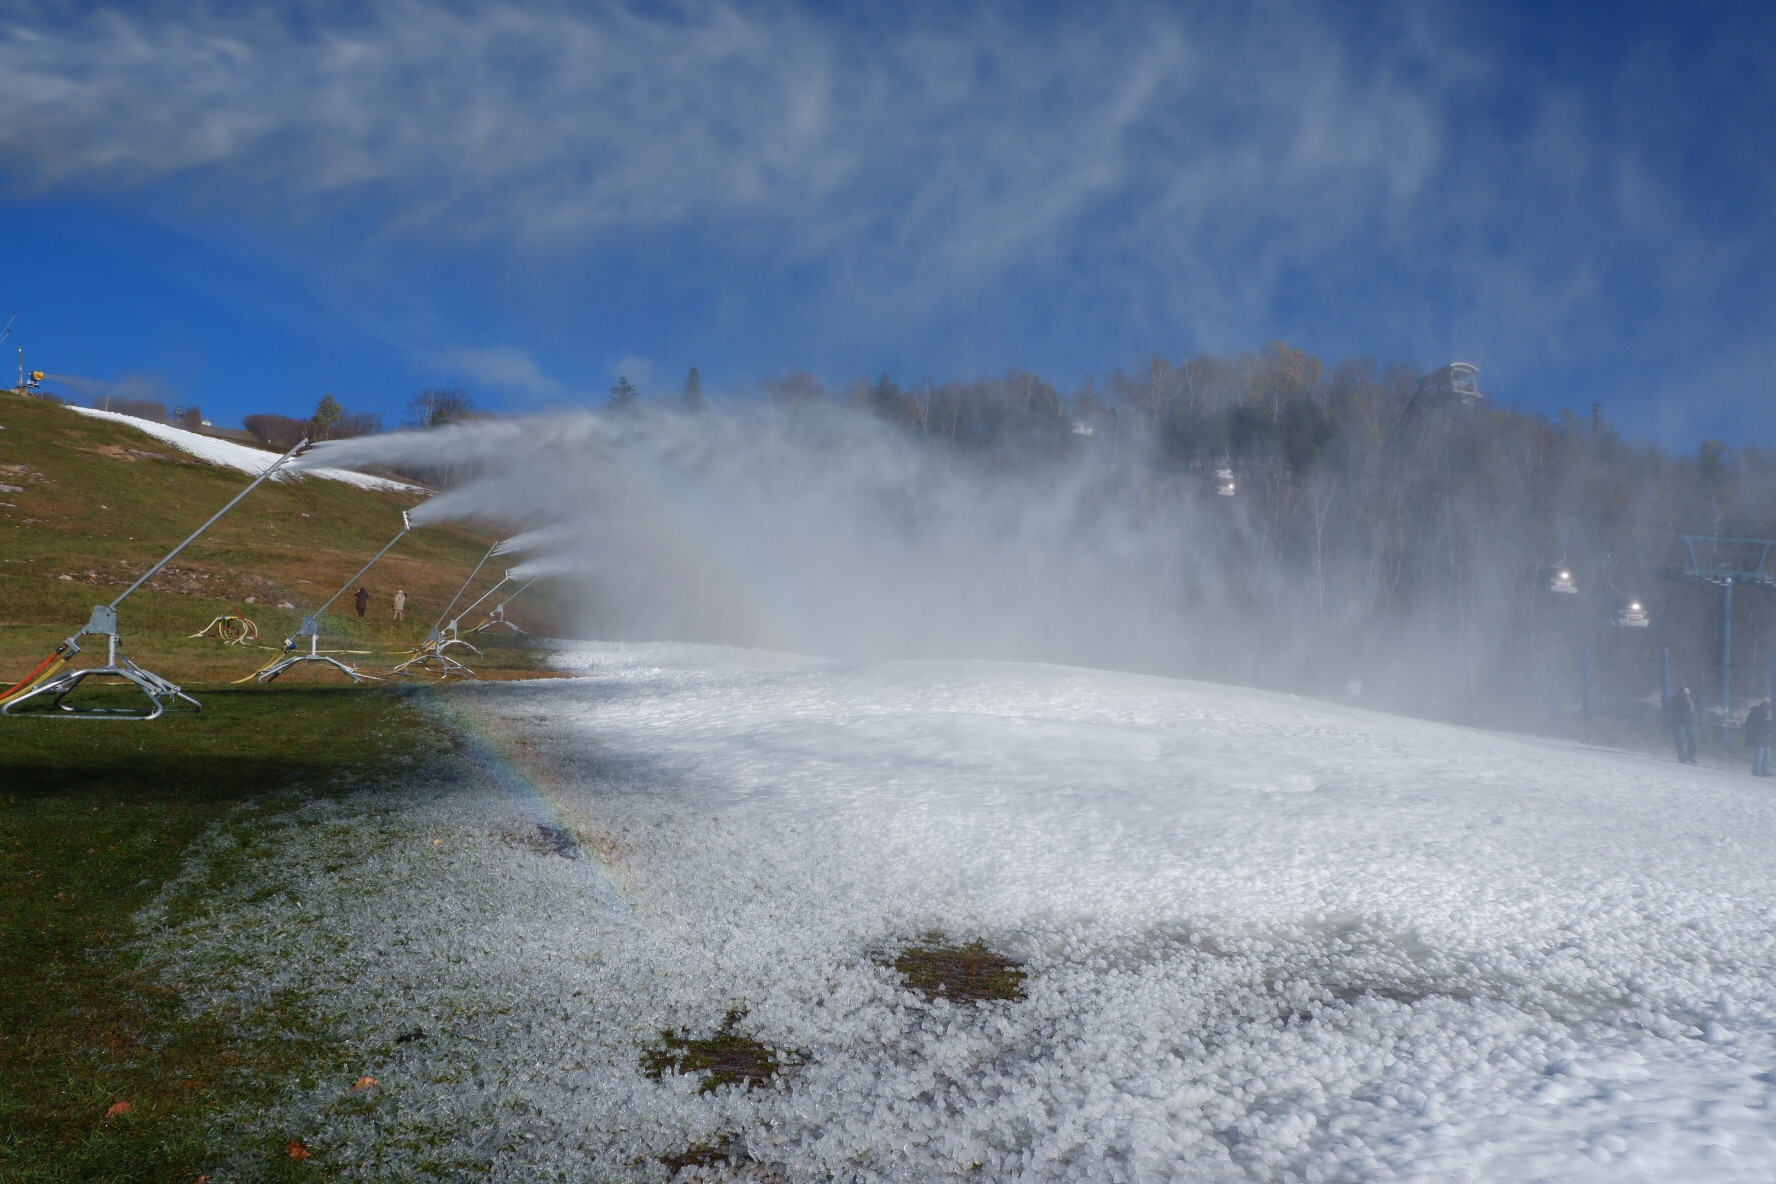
[718, 1155]
[544, 840]
[728, 1056]
[966, 973]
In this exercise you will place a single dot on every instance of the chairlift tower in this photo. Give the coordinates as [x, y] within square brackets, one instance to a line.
[1454, 385]
[44, 681]
[27, 381]
[1722, 561]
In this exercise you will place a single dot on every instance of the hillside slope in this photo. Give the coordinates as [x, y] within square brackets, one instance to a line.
[233, 455]
[87, 503]
[1261, 938]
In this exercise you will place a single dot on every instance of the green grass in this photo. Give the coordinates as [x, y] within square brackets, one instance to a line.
[971, 973]
[98, 816]
[99, 502]
[727, 1056]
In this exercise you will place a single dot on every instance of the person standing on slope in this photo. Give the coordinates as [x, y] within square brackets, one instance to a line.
[1683, 725]
[362, 600]
[400, 604]
[1757, 738]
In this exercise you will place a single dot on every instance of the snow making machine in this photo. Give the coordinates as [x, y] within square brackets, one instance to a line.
[291, 654]
[496, 616]
[443, 635]
[49, 687]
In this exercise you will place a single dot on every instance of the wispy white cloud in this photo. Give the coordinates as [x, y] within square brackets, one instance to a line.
[504, 368]
[969, 136]
[94, 392]
[1196, 174]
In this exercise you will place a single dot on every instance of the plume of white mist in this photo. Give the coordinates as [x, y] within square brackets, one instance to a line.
[552, 566]
[822, 531]
[532, 540]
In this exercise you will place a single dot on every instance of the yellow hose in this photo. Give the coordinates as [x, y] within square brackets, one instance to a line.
[272, 661]
[44, 672]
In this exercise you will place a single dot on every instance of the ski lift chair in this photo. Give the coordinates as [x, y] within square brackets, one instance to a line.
[1225, 483]
[1461, 383]
[1630, 612]
[1560, 579]
[1454, 385]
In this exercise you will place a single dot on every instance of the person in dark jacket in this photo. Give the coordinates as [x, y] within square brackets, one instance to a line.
[1757, 738]
[362, 600]
[1683, 725]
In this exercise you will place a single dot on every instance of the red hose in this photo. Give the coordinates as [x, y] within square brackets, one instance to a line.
[28, 679]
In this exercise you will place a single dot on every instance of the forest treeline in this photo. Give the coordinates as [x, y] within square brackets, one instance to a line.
[1379, 528]
[330, 421]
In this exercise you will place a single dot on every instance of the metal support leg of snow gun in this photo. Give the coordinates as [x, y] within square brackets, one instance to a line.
[291, 655]
[434, 650]
[51, 689]
[497, 618]
[55, 688]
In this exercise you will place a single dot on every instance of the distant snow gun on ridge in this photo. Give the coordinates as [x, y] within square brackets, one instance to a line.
[290, 656]
[45, 682]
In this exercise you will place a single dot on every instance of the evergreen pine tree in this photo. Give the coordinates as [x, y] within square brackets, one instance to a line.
[623, 395]
[884, 398]
[327, 413]
[693, 391]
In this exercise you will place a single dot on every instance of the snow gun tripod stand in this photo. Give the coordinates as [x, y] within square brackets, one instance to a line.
[45, 683]
[103, 623]
[435, 648]
[497, 617]
[291, 656]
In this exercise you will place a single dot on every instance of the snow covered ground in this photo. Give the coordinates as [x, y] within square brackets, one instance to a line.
[237, 456]
[1265, 938]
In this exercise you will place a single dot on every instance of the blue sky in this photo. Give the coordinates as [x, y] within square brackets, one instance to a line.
[243, 206]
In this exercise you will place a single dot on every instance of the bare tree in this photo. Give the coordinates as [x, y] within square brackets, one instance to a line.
[276, 431]
[437, 406]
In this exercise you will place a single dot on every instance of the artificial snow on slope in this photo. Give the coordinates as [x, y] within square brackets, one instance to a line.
[238, 456]
[1265, 938]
